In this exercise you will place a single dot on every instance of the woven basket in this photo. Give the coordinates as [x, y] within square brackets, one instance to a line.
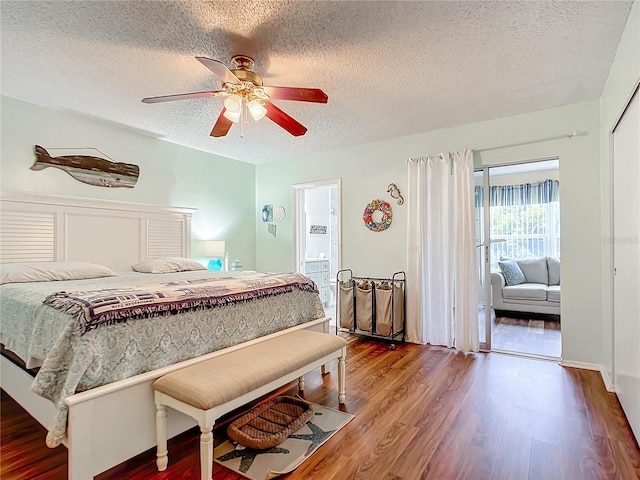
[271, 423]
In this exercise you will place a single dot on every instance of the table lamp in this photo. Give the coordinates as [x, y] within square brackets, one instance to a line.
[214, 250]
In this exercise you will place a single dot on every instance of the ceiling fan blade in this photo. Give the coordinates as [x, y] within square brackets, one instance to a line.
[285, 121]
[183, 96]
[220, 69]
[222, 126]
[300, 94]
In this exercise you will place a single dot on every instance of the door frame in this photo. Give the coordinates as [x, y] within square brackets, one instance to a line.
[299, 227]
[486, 250]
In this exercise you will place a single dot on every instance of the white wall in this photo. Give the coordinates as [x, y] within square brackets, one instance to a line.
[367, 170]
[222, 190]
[621, 83]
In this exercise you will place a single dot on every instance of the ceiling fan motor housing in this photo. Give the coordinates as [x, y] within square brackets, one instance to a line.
[242, 70]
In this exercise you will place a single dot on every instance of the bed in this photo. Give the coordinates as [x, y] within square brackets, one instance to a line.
[94, 383]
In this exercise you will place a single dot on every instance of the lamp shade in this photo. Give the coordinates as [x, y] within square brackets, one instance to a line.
[214, 248]
[233, 103]
[257, 109]
[233, 116]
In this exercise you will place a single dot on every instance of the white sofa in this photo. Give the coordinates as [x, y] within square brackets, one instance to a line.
[539, 293]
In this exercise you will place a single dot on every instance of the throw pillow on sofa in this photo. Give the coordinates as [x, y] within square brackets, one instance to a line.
[512, 273]
[534, 269]
[554, 270]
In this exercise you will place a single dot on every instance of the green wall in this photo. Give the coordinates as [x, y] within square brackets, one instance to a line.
[623, 80]
[367, 170]
[223, 190]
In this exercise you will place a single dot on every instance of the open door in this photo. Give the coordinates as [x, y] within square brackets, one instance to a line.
[485, 311]
[318, 237]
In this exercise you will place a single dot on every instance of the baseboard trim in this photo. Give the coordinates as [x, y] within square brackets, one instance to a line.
[608, 384]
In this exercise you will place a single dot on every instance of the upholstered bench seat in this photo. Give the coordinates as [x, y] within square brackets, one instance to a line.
[209, 389]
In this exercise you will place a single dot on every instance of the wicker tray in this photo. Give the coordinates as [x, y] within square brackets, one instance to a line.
[271, 423]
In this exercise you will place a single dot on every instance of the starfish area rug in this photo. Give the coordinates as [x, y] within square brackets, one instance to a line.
[287, 456]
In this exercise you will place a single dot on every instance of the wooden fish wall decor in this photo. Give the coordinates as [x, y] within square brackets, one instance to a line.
[91, 170]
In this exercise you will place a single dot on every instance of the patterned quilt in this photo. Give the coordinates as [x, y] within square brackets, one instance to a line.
[73, 358]
[93, 308]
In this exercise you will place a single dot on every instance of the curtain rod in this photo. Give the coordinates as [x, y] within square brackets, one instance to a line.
[539, 140]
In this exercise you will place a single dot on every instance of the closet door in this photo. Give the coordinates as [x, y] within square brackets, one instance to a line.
[626, 250]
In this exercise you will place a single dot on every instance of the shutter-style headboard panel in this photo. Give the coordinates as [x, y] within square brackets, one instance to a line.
[27, 233]
[165, 238]
[40, 228]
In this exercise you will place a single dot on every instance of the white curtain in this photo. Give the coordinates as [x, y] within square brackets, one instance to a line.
[441, 263]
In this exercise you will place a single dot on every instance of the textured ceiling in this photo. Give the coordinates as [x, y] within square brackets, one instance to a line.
[390, 68]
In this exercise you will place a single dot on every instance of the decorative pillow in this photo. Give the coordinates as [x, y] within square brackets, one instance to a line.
[511, 271]
[534, 269]
[168, 265]
[553, 265]
[51, 271]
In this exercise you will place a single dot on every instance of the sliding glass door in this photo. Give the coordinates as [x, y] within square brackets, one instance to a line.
[481, 178]
[518, 218]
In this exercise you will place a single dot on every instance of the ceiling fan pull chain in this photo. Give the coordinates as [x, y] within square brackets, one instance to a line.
[243, 116]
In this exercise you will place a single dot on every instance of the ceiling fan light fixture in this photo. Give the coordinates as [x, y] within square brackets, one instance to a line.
[247, 98]
[233, 104]
[257, 109]
[233, 116]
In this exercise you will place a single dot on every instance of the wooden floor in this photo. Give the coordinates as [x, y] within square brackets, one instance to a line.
[420, 413]
[529, 336]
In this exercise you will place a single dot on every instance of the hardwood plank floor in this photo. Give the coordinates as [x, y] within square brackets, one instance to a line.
[529, 336]
[421, 413]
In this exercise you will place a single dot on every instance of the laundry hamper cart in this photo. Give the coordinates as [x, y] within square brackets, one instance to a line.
[372, 307]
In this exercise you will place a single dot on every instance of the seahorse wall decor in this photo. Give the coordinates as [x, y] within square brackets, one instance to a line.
[395, 193]
[91, 170]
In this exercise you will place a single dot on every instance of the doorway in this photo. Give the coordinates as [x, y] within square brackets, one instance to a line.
[518, 254]
[318, 237]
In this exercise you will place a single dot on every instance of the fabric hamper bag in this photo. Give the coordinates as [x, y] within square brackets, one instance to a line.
[383, 309]
[364, 306]
[398, 306]
[345, 304]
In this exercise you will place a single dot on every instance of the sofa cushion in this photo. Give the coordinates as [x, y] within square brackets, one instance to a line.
[553, 265]
[553, 293]
[511, 271]
[525, 291]
[534, 269]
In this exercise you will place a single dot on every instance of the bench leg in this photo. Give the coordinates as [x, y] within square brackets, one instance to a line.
[301, 383]
[206, 452]
[325, 329]
[341, 377]
[162, 457]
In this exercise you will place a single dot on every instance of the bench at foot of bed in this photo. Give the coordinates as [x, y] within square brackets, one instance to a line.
[205, 391]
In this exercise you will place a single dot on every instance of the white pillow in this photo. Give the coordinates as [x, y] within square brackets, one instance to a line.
[51, 271]
[554, 270]
[534, 269]
[168, 265]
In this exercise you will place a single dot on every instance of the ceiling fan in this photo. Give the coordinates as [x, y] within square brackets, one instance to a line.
[246, 97]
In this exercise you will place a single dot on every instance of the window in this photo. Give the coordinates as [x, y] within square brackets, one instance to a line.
[524, 231]
[524, 220]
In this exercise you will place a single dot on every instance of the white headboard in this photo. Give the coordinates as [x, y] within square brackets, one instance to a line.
[48, 228]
